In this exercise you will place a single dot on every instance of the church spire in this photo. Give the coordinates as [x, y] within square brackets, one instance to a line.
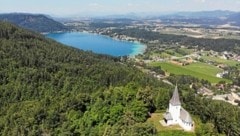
[175, 98]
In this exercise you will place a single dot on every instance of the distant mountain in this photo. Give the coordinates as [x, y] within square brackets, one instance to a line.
[218, 17]
[206, 14]
[235, 18]
[35, 22]
[203, 18]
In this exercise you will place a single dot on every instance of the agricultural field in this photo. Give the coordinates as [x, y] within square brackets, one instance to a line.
[162, 55]
[198, 70]
[223, 61]
[202, 32]
[173, 52]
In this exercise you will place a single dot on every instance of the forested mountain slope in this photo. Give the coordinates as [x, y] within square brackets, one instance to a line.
[49, 88]
[35, 22]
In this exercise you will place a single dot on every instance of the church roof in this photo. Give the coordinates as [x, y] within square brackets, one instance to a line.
[168, 116]
[175, 98]
[185, 116]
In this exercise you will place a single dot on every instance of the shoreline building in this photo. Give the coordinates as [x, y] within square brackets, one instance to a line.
[177, 115]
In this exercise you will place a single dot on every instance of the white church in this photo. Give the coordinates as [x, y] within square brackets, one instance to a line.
[176, 114]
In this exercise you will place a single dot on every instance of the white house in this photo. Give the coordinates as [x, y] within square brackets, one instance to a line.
[176, 114]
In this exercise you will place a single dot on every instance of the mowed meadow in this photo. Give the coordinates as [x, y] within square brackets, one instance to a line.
[198, 70]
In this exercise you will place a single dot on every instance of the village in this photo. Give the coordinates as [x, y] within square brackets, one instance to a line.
[220, 91]
[215, 67]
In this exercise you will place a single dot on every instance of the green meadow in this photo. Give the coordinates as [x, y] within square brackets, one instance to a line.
[198, 70]
[174, 130]
[223, 61]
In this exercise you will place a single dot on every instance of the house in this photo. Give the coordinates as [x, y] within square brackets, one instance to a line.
[176, 114]
[205, 91]
[232, 97]
[222, 66]
[238, 58]
[220, 75]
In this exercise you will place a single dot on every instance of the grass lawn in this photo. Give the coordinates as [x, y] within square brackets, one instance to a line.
[186, 51]
[223, 61]
[170, 52]
[204, 68]
[198, 70]
[167, 54]
[168, 130]
[162, 55]
[173, 53]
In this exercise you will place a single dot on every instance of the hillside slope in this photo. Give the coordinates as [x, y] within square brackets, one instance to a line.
[39, 23]
[50, 89]
[47, 88]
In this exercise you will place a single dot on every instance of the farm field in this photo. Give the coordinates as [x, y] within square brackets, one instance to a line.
[223, 61]
[198, 70]
[172, 52]
[204, 68]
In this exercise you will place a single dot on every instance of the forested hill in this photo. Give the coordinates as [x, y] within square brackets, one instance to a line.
[39, 23]
[50, 89]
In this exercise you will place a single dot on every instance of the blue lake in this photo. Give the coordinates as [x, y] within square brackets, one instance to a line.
[98, 43]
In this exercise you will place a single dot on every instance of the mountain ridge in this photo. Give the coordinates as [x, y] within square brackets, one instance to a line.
[35, 22]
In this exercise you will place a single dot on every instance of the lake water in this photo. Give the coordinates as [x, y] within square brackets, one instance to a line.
[98, 43]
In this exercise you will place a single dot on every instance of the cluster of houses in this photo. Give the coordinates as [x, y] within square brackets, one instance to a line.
[227, 55]
[233, 97]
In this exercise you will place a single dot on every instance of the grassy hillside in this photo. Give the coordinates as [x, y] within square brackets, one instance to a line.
[39, 23]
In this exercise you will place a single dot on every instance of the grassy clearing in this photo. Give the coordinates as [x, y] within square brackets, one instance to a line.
[173, 53]
[223, 61]
[204, 68]
[162, 55]
[186, 51]
[156, 117]
[198, 70]
[169, 130]
[175, 133]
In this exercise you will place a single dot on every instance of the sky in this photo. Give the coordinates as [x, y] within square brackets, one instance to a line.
[111, 7]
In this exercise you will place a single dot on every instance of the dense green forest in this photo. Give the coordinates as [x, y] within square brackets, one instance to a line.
[35, 22]
[50, 89]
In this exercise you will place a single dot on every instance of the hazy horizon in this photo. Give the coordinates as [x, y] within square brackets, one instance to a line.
[66, 8]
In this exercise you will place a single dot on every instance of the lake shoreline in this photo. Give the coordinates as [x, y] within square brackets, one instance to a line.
[126, 47]
[139, 48]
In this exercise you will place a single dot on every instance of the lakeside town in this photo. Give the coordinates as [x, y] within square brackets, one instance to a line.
[220, 64]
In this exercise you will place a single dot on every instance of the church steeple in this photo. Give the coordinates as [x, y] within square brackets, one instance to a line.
[176, 114]
[175, 98]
